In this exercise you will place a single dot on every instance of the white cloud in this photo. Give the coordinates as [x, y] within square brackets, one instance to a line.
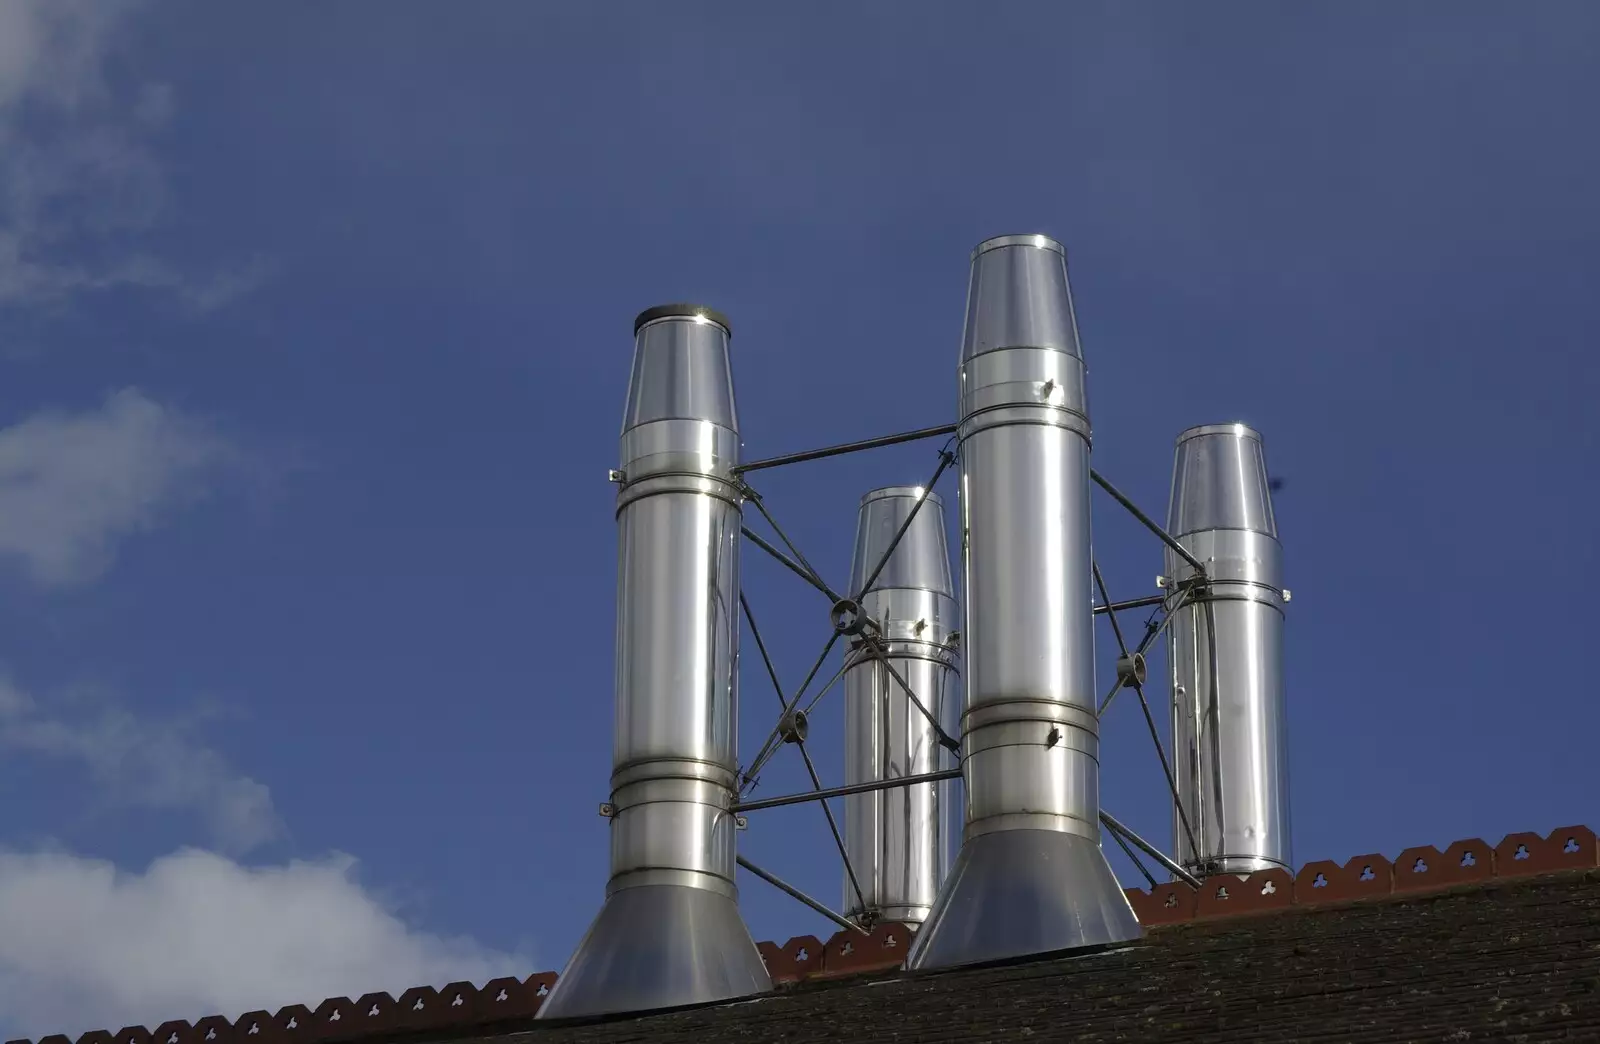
[73, 485]
[78, 177]
[86, 946]
[143, 763]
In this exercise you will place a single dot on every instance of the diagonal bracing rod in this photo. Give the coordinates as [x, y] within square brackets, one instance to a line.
[1149, 719]
[833, 825]
[1148, 522]
[880, 654]
[1150, 850]
[1134, 857]
[1166, 767]
[811, 769]
[1116, 628]
[793, 892]
[1152, 632]
[815, 577]
[795, 567]
[946, 458]
[771, 747]
[762, 756]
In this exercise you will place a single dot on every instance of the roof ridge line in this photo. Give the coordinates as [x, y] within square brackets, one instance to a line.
[422, 1010]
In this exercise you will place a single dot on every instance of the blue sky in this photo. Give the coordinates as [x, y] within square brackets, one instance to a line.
[314, 328]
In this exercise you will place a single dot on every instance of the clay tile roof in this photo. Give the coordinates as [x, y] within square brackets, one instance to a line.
[1468, 942]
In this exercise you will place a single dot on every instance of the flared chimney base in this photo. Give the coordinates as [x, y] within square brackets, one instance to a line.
[1013, 893]
[659, 946]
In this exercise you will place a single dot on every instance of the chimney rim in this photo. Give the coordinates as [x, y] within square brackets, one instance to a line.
[1237, 429]
[681, 310]
[1038, 240]
[902, 492]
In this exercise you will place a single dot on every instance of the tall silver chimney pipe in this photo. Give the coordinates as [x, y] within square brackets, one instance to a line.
[1030, 877]
[1228, 735]
[670, 932]
[895, 838]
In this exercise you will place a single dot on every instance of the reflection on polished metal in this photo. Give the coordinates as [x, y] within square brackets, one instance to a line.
[1031, 877]
[895, 838]
[1226, 651]
[670, 932]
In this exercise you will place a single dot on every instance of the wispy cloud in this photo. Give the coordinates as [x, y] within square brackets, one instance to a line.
[79, 180]
[86, 946]
[138, 761]
[74, 485]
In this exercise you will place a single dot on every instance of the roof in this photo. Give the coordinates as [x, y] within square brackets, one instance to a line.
[1471, 943]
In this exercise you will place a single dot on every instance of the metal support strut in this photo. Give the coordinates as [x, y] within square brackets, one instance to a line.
[792, 727]
[1148, 849]
[795, 567]
[1148, 522]
[814, 577]
[1133, 679]
[788, 889]
[946, 458]
[846, 791]
[847, 447]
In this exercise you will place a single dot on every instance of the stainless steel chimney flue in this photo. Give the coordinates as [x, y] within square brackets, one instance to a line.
[670, 932]
[896, 839]
[1229, 745]
[1030, 877]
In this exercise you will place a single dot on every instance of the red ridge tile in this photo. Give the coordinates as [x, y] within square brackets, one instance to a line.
[178, 1031]
[1362, 877]
[374, 1013]
[1228, 895]
[794, 961]
[257, 1026]
[1171, 903]
[294, 1021]
[504, 998]
[1576, 847]
[420, 1008]
[852, 953]
[538, 987]
[460, 1003]
[333, 1020]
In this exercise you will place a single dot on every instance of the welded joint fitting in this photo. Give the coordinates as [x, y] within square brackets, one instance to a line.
[794, 726]
[847, 617]
[1132, 670]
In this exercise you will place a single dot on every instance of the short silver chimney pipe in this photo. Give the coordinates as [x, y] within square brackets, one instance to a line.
[1230, 747]
[895, 839]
